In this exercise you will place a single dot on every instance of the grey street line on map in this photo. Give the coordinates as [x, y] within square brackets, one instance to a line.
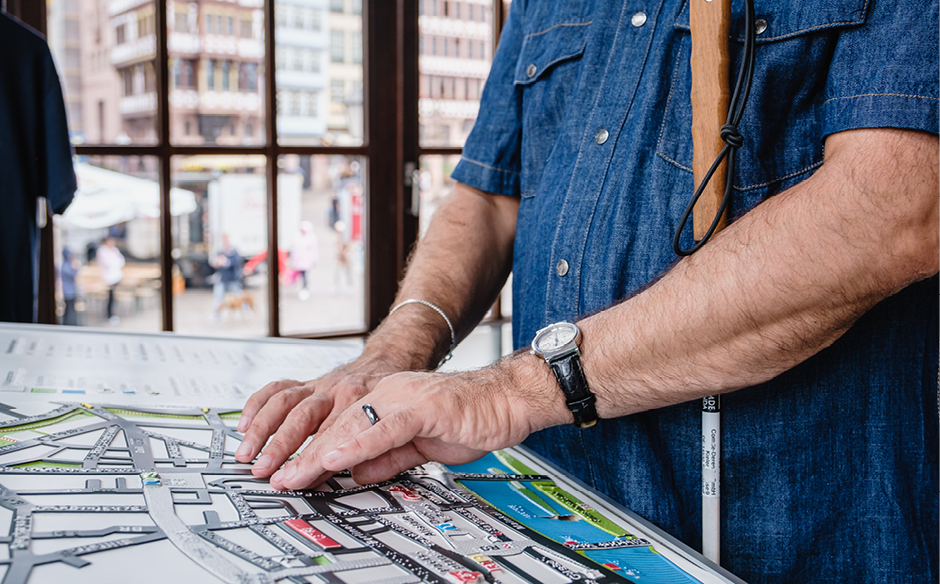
[103, 532]
[9, 411]
[207, 545]
[590, 575]
[406, 561]
[51, 414]
[428, 483]
[396, 580]
[610, 545]
[475, 476]
[544, 542]
[160, 502]
[90, 509]
[244, 509]
[431, 547]
[237, 550]
[216, 449]
[324, 569]
[22, 560]
[23, 444]
[173, 444]
[249, 522]
[278, 541]
[65, 470]
[103, 443]
[274, 503]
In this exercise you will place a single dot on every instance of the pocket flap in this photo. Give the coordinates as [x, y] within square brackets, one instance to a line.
[541, 50]
[786, 20]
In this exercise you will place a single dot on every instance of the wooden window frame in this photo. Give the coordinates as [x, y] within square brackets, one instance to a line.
[390, 92]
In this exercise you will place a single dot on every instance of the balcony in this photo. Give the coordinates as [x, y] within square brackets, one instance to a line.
[295, 37]
[478, 31]
[230, 45]
[300, 80]
[213, 102]
[184, 99]
[227, 101]
[116, 7]
[183, 42]
[454, 67]
[144, 103]
[134, 51]
[457, 109]
[300, 126]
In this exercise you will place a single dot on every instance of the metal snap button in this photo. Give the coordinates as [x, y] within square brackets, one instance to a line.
[639, 19]
[760, 25]
[561, 268]
[531, 70]
[601, 136]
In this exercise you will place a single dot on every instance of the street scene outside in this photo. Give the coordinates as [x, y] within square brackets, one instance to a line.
[320, 245]
[105, 52]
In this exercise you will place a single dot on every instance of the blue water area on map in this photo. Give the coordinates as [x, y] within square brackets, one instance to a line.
[640, 564]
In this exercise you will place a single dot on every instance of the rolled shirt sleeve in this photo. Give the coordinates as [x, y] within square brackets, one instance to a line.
[491, 158]
[884, 74]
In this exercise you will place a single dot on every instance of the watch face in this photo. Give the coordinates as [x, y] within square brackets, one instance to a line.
[555, 337]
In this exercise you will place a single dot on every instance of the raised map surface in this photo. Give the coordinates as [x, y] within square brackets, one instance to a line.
[96, 492]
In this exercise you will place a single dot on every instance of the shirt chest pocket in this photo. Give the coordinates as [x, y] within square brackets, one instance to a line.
[782, 123]
[547, 71]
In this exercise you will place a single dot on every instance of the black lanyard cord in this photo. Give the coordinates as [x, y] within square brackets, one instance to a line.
[729, 133]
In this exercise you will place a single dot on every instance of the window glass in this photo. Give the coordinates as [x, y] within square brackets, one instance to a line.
[453, 71]
[104, 55]
[337, 46]
[220, 262]
[436, 184]
[108, 245]
[319, 74]
[322, 241]
[223, 103]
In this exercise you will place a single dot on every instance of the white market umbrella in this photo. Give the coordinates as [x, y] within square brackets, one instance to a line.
[106, 198]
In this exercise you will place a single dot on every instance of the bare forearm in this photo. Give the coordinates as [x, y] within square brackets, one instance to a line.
[460, 265]
[779, 285]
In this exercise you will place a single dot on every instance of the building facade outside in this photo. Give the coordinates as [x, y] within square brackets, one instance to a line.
[302, 67]
[344, 117]
[455, 49]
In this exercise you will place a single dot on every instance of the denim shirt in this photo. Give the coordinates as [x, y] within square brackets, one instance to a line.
[829, 470]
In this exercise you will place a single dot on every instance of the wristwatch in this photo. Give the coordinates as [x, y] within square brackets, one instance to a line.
[558, 345]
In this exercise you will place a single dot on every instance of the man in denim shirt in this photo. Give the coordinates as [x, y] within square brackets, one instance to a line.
[818, 302]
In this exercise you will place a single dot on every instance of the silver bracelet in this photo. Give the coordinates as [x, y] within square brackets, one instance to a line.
[453, 335]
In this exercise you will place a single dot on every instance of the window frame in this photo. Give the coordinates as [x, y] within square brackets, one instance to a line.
[390, 150]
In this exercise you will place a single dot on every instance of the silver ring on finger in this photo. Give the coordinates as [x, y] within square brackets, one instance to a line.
[370, 413]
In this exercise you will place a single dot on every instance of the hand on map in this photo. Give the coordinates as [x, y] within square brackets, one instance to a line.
[448, 418]
[293, 410]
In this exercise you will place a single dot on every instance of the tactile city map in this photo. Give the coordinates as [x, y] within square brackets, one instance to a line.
[157, 491]
[101, 490]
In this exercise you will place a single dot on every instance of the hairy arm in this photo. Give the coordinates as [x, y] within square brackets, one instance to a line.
[787, 281]
[460, 265]
[776, 287]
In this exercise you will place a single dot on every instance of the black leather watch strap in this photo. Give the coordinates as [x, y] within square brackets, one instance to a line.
[578, 396]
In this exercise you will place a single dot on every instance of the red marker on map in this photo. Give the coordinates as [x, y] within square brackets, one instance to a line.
[313, 534]
[406, 493]
[487, 562]
[465, 577]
